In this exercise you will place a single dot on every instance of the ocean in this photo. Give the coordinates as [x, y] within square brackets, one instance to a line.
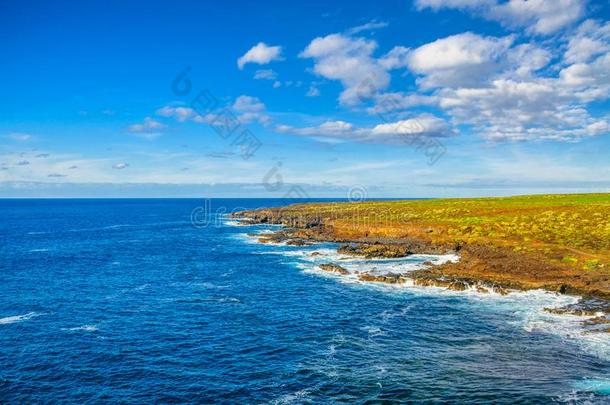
[141, 300]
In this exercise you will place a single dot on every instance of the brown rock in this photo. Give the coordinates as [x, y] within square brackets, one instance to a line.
[334, 268]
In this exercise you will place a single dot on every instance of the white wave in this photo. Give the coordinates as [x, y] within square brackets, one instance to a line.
[373, 331]
[38, 250]
[298, 397]
[526, 309]
[253, 239]
[233, 300]
[18, 318]
[355, 265]
[210, 286]
[234, 222]
[83, 328]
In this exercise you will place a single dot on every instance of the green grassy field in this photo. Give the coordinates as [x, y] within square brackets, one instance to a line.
[571, 229]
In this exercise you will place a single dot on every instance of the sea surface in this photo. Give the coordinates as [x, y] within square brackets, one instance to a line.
[129, 301]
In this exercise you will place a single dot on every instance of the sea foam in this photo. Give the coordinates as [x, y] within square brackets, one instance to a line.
[18, 318]
[528, 306]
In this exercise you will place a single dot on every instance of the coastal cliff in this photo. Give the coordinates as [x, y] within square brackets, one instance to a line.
[559, 243]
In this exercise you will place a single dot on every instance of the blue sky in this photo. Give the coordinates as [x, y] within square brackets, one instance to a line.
[421, 98]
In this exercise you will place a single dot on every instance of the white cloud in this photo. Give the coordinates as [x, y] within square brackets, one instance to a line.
[313, 91]
[260, 54]
[161, 167]
[120, 165]
[370, 26]
[590, 80]
[537, 16]
[149, 128]
[246, 109]
[458, 60]
[506, 92]
[184, 114]
[459, 4]
[526, 59]
[328, 128]
[265, 74]
[424, 125]
[591, 39]
[521, 110]
[386, 103]
[349, 60]
[245, 103]
[181, 114]
[396, 58]
[251, 109]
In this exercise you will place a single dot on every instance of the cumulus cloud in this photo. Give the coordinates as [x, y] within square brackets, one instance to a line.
[526, 59]
[589, 81]
[250, 109]
[396, 58]
[427, 124]
[504, 89]
[181, 114]
[349, 60]
[245, 108]
[245, 103]
[260, 54]
[149, 128]
[537, 16]
[402, 131]
[591, 39]
[457, 60]
[521, 110]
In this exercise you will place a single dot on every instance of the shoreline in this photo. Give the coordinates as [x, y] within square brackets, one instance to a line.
[482, 267]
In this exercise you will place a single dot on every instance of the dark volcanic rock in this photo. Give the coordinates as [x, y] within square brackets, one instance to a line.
[298, 242]
[334, 268]
[389, 278]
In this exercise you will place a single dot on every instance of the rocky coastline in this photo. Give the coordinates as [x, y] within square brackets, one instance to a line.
[480, 267]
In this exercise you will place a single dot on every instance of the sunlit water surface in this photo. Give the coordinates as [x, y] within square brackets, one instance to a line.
[127, 301]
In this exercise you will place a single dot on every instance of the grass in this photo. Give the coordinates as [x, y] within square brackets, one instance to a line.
[569, 229]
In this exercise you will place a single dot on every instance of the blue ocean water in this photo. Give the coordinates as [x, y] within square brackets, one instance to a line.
[126, 301]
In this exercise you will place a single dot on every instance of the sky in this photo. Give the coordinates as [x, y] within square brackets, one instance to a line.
[348, 99]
